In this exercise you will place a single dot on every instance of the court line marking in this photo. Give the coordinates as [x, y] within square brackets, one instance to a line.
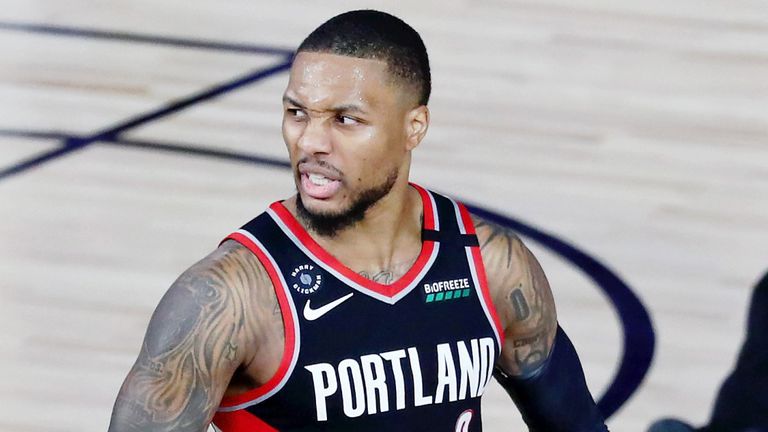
[195, 150]
[180, 42]
[637, 327]
[74, 143]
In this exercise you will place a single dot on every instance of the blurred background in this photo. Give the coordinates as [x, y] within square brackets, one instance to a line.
[135, 135]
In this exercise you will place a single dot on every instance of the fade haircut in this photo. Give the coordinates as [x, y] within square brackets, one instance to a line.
[376, 35]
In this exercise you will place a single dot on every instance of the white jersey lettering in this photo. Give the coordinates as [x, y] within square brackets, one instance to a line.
[469, 365]
[446, 374]
[323, 387]
[418, 387]
[353, 398]
[486, 362]
[462, 370]
[375, 383]
[394, 358]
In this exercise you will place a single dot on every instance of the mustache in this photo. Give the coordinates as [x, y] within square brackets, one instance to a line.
[319, 163]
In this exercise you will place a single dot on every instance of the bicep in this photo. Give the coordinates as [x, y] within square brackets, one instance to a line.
[190, 351]
[522, 297]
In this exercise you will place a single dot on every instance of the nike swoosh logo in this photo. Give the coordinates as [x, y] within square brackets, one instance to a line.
[313, 314]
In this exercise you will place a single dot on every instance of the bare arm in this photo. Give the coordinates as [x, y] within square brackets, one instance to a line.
[522, 298]
[199, 335]
[539, 367]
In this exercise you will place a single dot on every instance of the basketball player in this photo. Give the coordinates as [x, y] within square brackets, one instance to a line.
[742, 403]
[363, 302]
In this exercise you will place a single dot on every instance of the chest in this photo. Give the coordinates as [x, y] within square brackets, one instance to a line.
[357, 355]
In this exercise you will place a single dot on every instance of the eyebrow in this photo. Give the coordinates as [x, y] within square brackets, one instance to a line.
[337, 109]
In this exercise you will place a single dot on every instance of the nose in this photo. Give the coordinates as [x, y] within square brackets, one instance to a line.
[315, 138]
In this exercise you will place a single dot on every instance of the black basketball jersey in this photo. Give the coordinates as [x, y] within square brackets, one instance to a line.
[415, 355]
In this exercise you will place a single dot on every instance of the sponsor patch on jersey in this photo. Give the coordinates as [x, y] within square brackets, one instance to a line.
[306, 279]
[447, 290]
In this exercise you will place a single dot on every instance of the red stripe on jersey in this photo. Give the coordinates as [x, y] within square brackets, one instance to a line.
[240, 421]
[386, 290]
[288, 325]
[469, 226]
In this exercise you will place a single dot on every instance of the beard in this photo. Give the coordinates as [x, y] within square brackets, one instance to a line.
[330, 224]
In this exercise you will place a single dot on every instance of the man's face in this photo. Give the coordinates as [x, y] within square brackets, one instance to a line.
[345, 123]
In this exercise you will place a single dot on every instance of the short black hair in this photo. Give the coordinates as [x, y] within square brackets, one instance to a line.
[372, 34]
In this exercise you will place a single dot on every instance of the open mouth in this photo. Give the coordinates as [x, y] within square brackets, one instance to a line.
[318, 182]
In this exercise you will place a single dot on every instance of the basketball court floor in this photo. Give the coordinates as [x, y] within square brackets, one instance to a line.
[626, 141]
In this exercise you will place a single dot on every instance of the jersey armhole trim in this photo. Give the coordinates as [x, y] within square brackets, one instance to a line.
[478, 269]
[290, 325]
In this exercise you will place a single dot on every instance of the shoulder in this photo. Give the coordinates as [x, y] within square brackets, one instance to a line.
[228, 269]
[223, 288]
[515, 277]
[504, 253]
[232, 262]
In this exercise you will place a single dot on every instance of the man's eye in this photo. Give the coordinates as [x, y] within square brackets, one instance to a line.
[295, 112]
[345, 120]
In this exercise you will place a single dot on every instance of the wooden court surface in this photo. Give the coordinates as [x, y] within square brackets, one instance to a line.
[636, 131]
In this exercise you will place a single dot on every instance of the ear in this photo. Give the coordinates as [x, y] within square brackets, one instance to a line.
[416, 125]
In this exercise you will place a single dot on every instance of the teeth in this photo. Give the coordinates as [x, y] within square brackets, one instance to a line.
[319, 180]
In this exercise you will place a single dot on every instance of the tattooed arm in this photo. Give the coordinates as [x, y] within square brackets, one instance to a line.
[201, 333]
[539, 367]
[522, 298]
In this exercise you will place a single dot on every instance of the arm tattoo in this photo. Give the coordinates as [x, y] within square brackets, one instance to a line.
[523, 299]
[192, 346]
[498, 235]
[529, 352]
[517, 299]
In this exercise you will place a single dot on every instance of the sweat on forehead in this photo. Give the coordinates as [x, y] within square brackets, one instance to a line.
[314, 65]
[317, 78]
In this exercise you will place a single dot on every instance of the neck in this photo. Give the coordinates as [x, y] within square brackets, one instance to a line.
[389, 235]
